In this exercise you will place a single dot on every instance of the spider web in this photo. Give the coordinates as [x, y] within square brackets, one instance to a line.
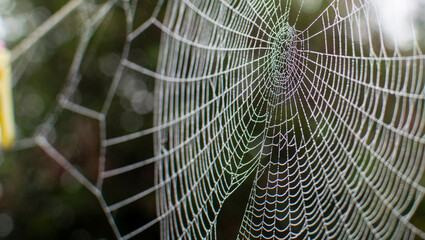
[324, 113]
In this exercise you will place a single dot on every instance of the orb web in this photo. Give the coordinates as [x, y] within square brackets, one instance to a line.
[321, 114]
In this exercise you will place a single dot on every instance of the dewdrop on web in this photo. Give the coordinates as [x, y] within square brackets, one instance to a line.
[7, 121]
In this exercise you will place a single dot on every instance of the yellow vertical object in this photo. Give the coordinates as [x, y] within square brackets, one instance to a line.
[7, 120]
